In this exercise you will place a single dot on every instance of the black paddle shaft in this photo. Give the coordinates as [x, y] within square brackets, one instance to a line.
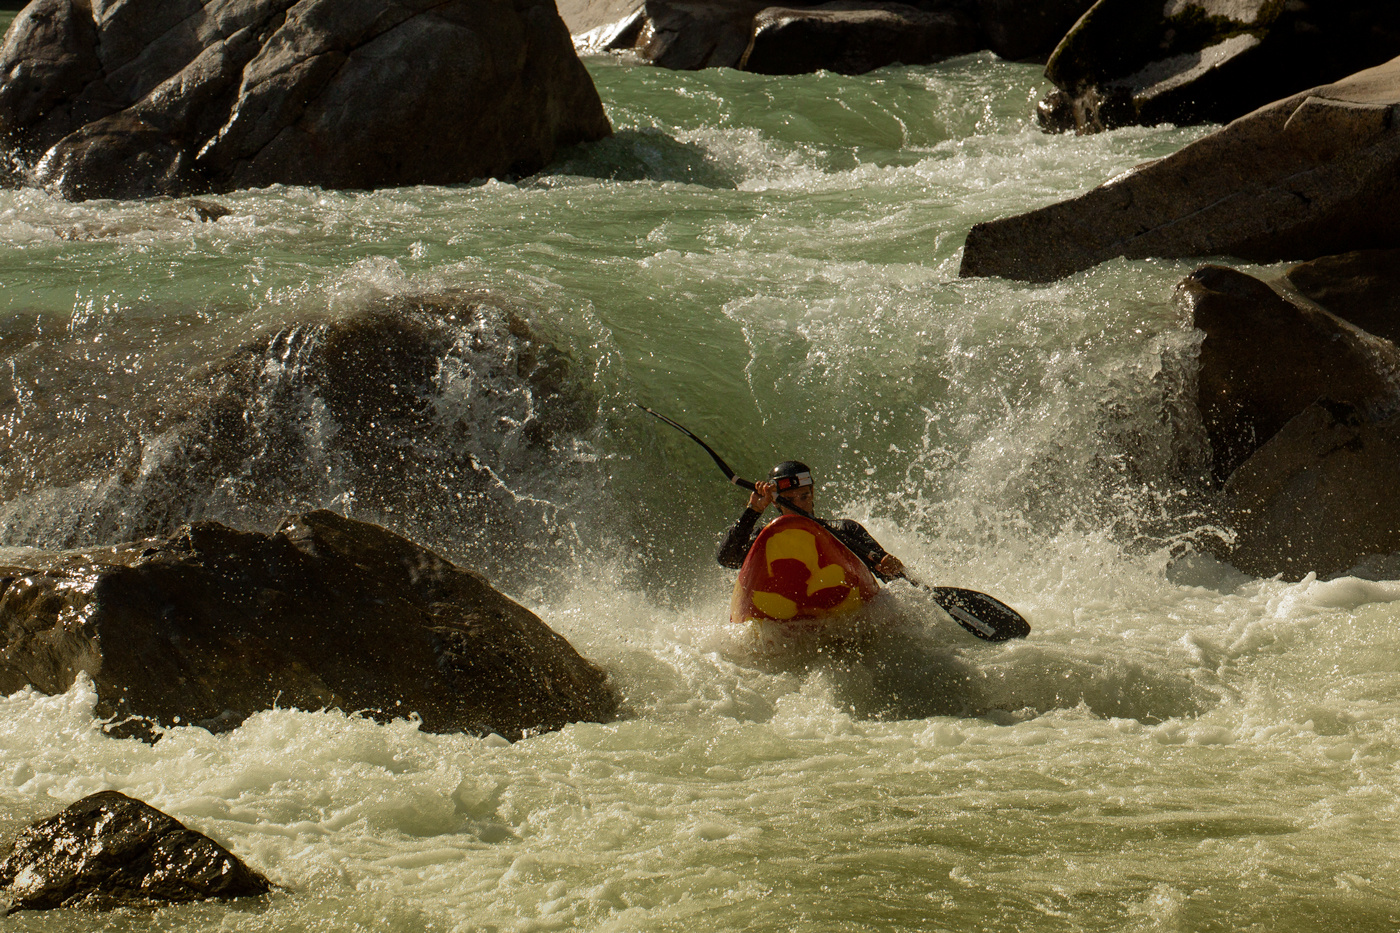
[988, 618]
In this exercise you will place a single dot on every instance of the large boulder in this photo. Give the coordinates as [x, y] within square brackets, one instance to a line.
[1194, 61]
[1320, 495]
[212, 624]
[435, 410]
[1312, 175]
[146, 97]
[109, 850]
[1363, 287]
[1265, 358]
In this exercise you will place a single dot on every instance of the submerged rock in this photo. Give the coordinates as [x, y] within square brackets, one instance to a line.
[1315, 174]
[212, 624]
[1266, 358]
[110, 850]
[151, 97]
[1207, 61]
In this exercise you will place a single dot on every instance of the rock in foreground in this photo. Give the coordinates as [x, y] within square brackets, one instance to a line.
[1315, 174]
[149, 97]
[212, 624]
[109, 850]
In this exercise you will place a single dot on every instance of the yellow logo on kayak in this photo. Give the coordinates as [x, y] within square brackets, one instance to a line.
[800, 545]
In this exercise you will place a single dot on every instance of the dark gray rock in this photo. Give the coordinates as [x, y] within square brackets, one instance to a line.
[1363, 287]
[110, 850]
[687, 35]
[1198, 61]
[212, 624]
[1313, 175]
[1022, 30]
[177, 96]
[853, 37]
[845, 36]
[1319, 497]
[1266, 358]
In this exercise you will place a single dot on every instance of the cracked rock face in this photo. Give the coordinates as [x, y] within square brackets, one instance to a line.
[134, 98]
[110, 850]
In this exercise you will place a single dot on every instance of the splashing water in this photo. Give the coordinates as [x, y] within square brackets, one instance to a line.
[773, 263]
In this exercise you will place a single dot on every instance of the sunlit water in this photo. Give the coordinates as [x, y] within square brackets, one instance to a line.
[772, 262]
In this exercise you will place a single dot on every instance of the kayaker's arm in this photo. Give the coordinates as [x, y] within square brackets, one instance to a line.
[734, 547]
[882, 563]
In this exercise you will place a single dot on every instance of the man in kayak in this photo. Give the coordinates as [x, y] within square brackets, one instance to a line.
[793, 481]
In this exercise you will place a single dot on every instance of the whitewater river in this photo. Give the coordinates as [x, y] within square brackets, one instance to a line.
[773, 262]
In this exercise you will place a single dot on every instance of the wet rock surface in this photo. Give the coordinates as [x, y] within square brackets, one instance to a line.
[110, 850]
[414, 407]
[1302, 411]
[212, 624]
[853, 38]
[1312, 175]
[1207, 61]
[1266, 358]
[1319, 497]
[170, 97]
[1362, 287]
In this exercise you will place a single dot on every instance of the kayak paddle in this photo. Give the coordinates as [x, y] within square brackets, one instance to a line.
[988, 618]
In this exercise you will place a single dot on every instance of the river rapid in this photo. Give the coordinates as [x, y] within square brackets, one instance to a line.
[773, 262]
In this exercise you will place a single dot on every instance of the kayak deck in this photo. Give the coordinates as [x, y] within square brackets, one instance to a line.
[799, 573]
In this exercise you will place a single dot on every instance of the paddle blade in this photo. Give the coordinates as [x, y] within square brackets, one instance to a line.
[987, 618]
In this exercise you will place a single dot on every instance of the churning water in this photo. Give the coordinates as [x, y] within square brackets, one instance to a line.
[771, 261]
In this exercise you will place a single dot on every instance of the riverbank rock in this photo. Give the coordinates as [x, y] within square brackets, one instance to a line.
[169, 97]
[1207, 61]
[110, 850]
[212, 624]
[1319, 496]
[1316, 174]
[844, 36]
[1266, 358]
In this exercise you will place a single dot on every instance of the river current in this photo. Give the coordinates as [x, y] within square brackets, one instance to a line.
[772, 262]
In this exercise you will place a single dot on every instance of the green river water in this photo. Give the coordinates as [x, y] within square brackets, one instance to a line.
[773, 262]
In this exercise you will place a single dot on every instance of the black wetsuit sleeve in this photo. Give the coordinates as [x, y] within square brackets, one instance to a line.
[734, 546]
[854, 536]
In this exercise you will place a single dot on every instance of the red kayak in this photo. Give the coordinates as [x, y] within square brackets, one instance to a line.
[797, 571]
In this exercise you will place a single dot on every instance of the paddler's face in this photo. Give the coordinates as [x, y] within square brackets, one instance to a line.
[804, 497]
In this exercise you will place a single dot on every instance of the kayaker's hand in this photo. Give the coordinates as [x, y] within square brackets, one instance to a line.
[890, 566]
[763, 495]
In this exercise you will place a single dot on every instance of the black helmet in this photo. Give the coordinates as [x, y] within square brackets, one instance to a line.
[790, 474]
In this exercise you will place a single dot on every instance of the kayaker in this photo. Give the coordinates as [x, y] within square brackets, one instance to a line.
[793, 481]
